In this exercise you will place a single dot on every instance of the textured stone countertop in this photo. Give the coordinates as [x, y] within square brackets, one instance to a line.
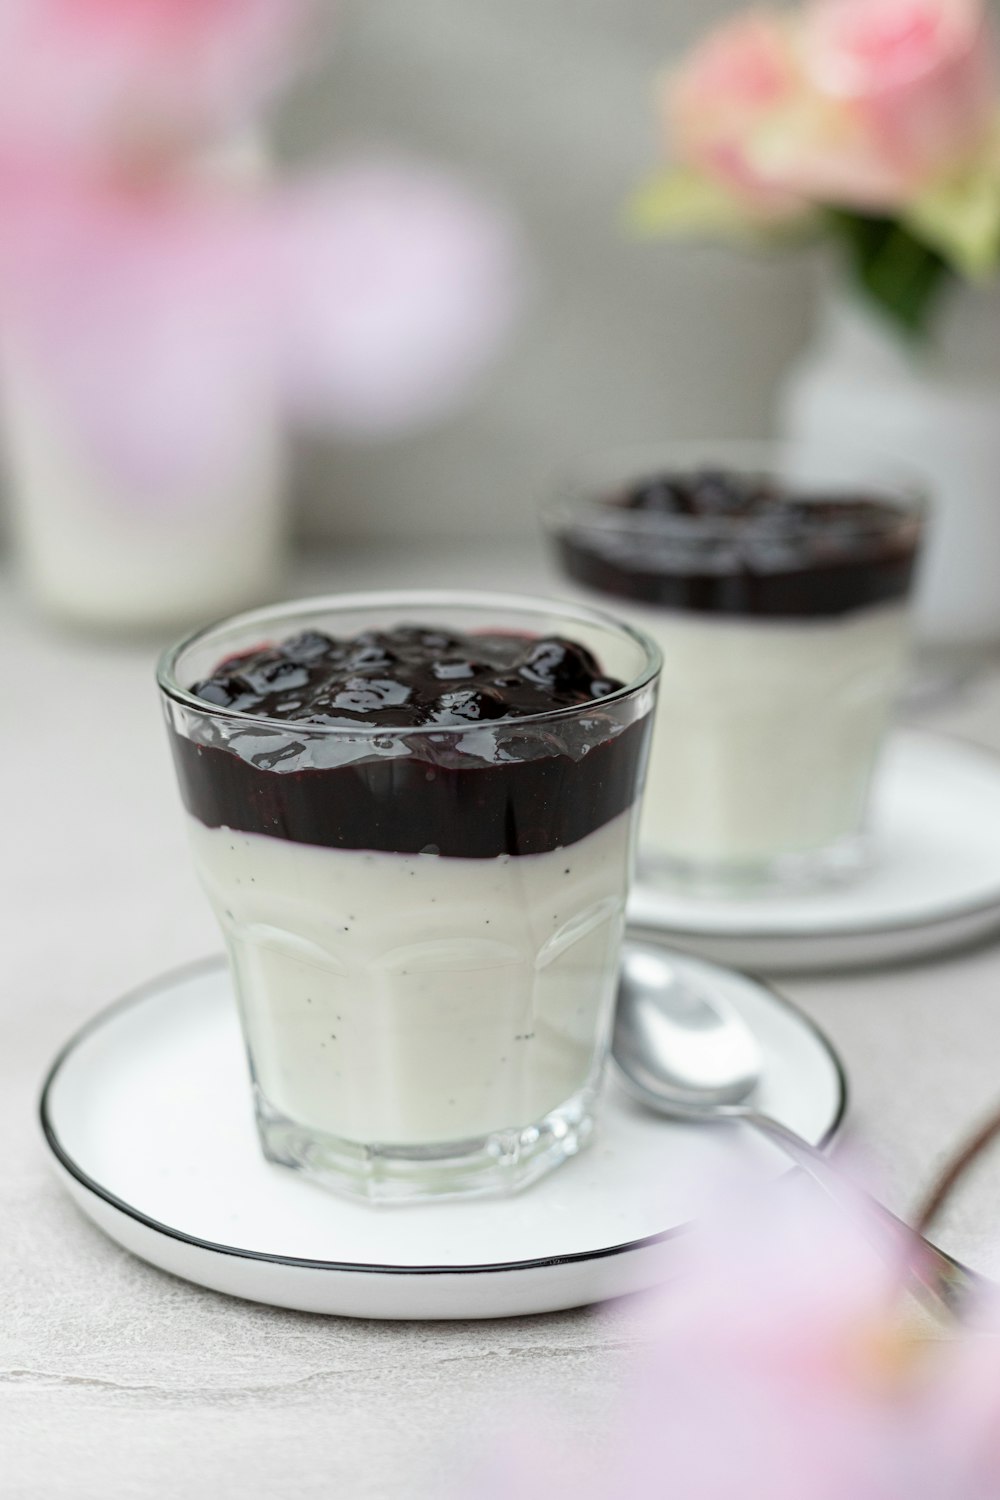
[119, 1381]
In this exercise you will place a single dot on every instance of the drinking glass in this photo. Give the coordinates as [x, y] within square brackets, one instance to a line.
[423, 924]
[784, 634]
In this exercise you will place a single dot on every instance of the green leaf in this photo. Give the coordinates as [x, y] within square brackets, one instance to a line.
[961, 219]
[685, 201]
[893, 267]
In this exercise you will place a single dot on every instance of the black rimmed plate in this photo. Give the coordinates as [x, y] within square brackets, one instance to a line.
[933, 883]
[147, 1114]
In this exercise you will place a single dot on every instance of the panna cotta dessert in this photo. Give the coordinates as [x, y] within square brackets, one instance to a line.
[781, 609]
[417, 837]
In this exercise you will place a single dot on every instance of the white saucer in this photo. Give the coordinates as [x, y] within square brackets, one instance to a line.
[933, 884]
[147, 1113]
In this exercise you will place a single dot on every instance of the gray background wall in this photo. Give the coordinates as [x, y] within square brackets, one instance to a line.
[550, 103]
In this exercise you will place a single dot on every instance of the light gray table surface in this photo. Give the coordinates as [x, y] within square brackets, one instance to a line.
[118, 1381]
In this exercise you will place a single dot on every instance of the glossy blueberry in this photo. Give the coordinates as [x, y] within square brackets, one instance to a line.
[469, 705]
[714, 492]
[430, 642]
[279, 675]
[459, 670]
[308, 646]
[370, 695]
[225, 691]
[372, 651]
[665, 495]
[556, 663]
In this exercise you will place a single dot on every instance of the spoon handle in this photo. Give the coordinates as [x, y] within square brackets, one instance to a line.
[939, 1278]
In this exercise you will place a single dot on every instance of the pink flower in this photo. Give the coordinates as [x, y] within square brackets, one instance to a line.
[854, 103]
[78, 73]
[919, 77]
[780, 1370]
[157, 314]
[741, 76]
[743, 111]
[392, 285]
[822, 152]
[161, 292]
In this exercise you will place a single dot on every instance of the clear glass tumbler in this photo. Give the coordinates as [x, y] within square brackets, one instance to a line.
[777, 582]
[423, 924]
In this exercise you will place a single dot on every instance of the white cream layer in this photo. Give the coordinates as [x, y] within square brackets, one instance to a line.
[414, 999]
[767, 731]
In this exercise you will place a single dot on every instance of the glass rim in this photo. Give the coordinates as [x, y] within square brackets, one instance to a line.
[585, 491]
[342, 603]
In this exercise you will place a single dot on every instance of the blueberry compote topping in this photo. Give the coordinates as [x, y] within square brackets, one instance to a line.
[712, 540]
[411, 676]
[481, 776]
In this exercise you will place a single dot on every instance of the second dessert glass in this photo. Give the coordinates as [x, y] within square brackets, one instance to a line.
[423, 923]
[784, 628]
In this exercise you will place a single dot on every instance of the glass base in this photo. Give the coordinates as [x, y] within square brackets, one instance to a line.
[496, 1164]
[783, 873]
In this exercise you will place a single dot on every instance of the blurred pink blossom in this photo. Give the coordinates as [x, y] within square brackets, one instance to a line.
[743, 111]
[393, 284]
[83, 75]
[920, 76]
[163, 293]
[158, 313]
[780, 1369]
[736, 79]
[855, 103]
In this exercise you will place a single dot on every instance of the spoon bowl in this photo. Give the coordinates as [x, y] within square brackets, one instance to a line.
[678, 1048]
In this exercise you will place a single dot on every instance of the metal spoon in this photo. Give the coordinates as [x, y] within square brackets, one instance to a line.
[691, 1055]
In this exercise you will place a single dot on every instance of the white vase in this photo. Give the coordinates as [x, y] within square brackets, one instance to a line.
[935, 409]
[92, 554]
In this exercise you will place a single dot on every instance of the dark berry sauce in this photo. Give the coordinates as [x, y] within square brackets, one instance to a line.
[718, 542]
[525, 786]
